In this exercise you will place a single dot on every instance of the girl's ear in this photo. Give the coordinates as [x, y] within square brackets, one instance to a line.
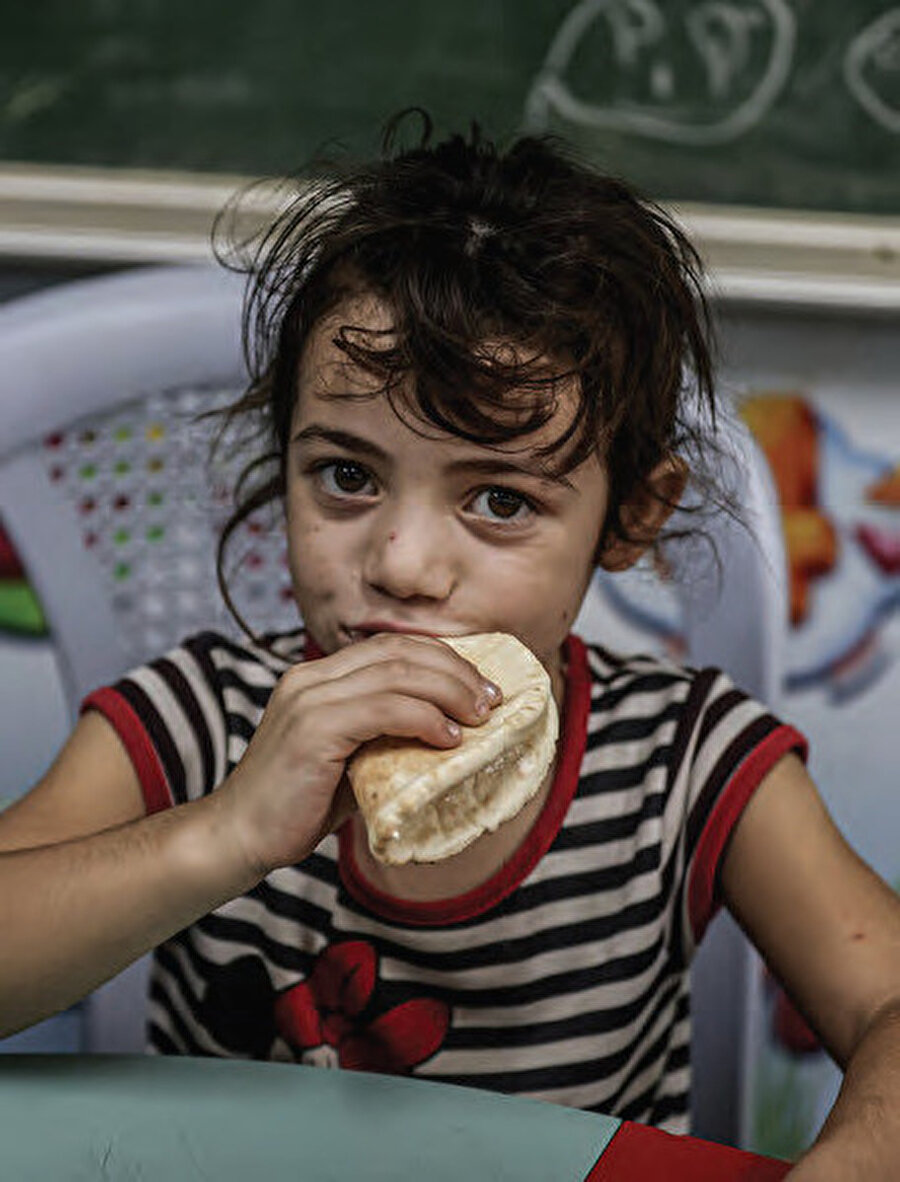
[645, 514]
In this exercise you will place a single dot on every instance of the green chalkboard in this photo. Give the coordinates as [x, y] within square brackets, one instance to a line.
[792, 103]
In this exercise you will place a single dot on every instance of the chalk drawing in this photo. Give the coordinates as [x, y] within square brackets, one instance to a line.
[721, 33]
[872, 69]
[635, 25]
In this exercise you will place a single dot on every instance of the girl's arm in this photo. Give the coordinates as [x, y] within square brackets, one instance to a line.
[88, 883]
[829, 928]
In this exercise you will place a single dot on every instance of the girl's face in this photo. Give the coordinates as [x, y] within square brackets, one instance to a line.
[388, 530]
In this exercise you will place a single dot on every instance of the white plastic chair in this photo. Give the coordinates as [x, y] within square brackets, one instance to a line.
[106, 494]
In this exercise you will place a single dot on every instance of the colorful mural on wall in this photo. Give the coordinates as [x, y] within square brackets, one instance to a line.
[841, 514]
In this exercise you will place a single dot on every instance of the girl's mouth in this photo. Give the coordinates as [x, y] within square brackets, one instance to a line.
[362, 631]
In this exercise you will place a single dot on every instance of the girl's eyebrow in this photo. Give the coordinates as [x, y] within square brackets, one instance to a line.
[488, 465]
[344, 439]
[499, 467]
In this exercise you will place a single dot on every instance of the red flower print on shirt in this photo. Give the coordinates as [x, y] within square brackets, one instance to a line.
[323, 1016]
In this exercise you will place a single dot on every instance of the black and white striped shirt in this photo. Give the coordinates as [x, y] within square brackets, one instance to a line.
[563, 977]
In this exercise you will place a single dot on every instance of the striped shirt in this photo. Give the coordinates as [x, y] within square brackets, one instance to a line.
[563, 977]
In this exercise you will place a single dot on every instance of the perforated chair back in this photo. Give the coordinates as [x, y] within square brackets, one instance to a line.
[107, 487]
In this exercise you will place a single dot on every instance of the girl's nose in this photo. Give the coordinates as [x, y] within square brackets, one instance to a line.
[409, 558]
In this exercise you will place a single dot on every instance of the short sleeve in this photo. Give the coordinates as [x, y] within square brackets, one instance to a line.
[170, 715]
[725, 745]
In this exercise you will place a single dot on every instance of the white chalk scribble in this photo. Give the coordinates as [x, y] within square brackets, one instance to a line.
[744, 50]
[872, 69]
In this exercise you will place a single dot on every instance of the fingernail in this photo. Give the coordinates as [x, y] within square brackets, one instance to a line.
[453, 729]
[493, 692]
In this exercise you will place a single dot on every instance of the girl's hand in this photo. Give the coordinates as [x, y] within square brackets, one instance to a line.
[289, 790]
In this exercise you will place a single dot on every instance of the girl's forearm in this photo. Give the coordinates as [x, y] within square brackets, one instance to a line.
[72, 915]
[861, 1137]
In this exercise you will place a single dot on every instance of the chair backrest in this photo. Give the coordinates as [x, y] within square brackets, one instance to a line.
[106, 486]
[110, 497]
[107, 494]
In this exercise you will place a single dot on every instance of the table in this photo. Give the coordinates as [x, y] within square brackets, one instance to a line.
[113, 1117]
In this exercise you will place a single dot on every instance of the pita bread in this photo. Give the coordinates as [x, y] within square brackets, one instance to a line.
[421, 804]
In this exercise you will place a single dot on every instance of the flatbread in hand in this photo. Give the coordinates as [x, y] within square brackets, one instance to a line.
[421, 804]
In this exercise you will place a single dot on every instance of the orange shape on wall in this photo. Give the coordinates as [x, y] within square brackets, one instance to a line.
[786, 428]
[886, 490]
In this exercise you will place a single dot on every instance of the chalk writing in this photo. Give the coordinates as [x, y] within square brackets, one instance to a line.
[872, 69]
[639, 63]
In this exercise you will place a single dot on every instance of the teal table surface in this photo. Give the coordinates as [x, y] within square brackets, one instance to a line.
[118, 1118]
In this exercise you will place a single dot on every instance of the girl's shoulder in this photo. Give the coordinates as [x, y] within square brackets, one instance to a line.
[608, 669]
[655, 683]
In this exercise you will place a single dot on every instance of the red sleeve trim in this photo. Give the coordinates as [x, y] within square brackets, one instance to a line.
[536, 844]
[702, 900]
[128, 726]
[639, 1152]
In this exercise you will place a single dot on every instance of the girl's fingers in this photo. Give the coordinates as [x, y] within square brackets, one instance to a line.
[426, 650]
[455, 696]
[357, 721]
[343, 805]
[406, 655]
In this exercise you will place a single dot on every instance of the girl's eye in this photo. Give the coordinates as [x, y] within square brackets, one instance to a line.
[501, 504]
[342, 478]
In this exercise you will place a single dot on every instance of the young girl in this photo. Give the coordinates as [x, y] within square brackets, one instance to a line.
[475, 368]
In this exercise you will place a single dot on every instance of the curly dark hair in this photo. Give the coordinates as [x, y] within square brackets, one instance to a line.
[468, 243]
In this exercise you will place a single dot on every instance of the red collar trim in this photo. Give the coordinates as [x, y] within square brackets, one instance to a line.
[311, 650]
[541, 836]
